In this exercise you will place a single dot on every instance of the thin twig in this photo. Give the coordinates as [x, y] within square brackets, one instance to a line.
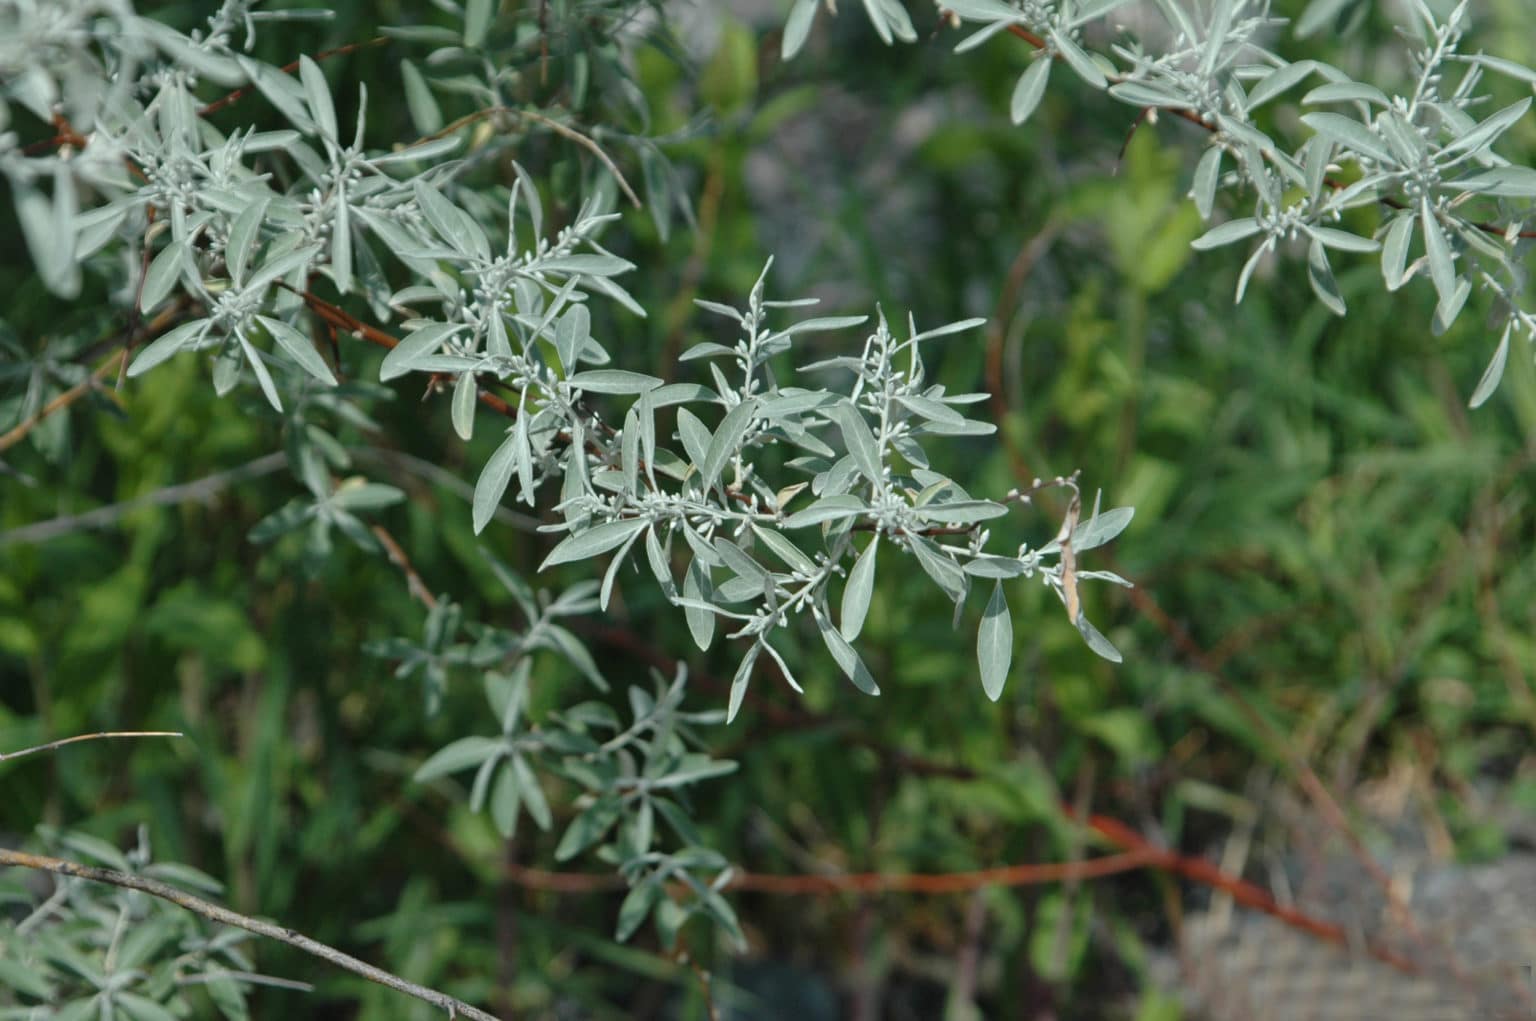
[61, 742]
[396, 555]
[587, 143]
[224, 916]
[201, 490]
[19, 432]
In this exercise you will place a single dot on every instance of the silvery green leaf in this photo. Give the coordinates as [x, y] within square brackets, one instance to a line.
[1092, 10]
[244, 234]
[318, 95]
[726, 441]
[1281, 79]
[1227, 233]
[1349, 133]
[461, 754]
[341, 243]
[959, 326]
[612, 573]
[1450, 306]
[681, 393]
[263, 377]
[846, 657]
[1347, 92]
[695, 436]
[407, 355]
[1320, 275]
[595, 541]
[530, 194]
[299, 348]
[832, 508]
[742, 678]
[1101, 528]
[737, 559]
[1502, 66]
[613, 381]
[629, 452]
[1407, 144]
[163, 273]
[495, 476]
[1029, 90]
[1503, 182]
[859, 590]
[928, 408]
[1394, 250]
[698, 593]
[477, 21]
[1143, 93]
[1442, 268]
[707, 349]
[1342, 239]
[994, 643]
[280, 266]
[462, 410]
[1487, 132]
[858, 438]
[960, 512]
[983, 10]
[785, 550]
[945, 573]
[426, 115]
[798, 28]
[637, 906]
[1096, 641]
[1077, 59]
[358, 496]
[162, 347]
[586, 265]
[1207, 174]
[658, 561]
[1494, 372]
[458, 230]
[995, 567]
[571, 335]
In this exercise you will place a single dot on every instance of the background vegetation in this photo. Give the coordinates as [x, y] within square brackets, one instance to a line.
[1333, 558]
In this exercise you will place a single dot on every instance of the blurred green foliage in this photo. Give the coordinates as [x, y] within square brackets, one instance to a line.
[1316, 511]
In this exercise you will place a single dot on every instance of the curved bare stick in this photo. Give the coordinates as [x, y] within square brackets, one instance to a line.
[224, 916]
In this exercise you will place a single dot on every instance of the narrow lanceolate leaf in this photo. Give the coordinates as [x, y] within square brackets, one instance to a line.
[465, 391]
[994, 643]
[1226, 233]
[1096, 641]
[798, 28]
[595, 541]
[1207, 174]
[1486, 133]
[461, 754]
[1394, 251]
[740, 681]
[162, 274]
[726, 441]
[1320, 275]
[859, 440]
[846, 657]
[857, 593]
[1351, 134]
[1442, 269]
[492, 484]
[299, 348]
[698, 589]
[163, 347]
[1101, 528]
[695, 436]
[832, 508]
[424, 342]
[318, 94]
[1494, 372]
[1029, 90]
[613, 381]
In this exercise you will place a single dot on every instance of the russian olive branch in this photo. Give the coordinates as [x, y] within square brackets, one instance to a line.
[224, 916]
[215, 912]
